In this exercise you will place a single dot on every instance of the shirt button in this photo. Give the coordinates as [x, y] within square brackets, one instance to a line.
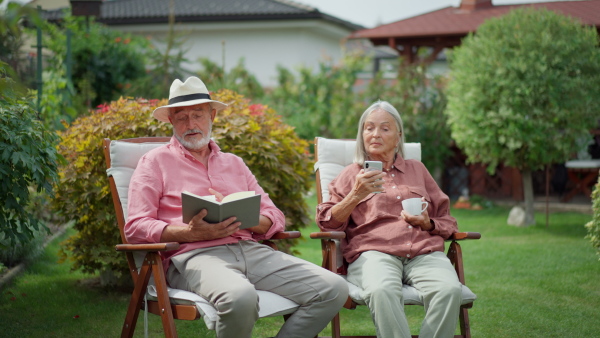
[408, 255]
[397, 197]
[410, 226]
[394, 187]
[393, 175]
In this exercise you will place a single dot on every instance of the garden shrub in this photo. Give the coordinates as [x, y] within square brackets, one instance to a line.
[270, 148]
[593, 226]
[28, 158]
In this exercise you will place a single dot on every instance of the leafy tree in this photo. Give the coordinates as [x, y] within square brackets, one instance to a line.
[164, 64]
[322, 102]
[28, 157]
[12, 36]
[105, 61]
[239, 79]
[523, 89]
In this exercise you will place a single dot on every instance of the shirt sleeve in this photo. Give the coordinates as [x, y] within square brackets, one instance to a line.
[145, 191]
[324, 218]
[445, 224]
[267, 207]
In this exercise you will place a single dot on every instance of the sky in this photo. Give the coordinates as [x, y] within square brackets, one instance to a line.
[372, 13]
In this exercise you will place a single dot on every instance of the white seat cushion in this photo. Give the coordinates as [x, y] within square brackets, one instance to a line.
[124, 157]
[410, 294]
[270, 304]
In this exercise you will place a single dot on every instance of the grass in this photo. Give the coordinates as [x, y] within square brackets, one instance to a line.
[533, 282]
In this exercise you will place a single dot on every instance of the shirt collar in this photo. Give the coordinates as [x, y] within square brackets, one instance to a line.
[399, 163]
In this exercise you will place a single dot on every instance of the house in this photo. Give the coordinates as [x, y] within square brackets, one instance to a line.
[264, 33]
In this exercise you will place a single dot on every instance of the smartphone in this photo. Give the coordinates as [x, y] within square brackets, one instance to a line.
[373, 165]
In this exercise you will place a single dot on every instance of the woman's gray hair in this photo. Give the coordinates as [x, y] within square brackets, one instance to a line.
[360, 155]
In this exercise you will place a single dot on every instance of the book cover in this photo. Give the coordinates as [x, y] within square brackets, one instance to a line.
[244, 205]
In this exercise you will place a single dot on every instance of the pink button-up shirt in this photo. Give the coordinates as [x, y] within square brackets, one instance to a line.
[163, 173]
[376, 224]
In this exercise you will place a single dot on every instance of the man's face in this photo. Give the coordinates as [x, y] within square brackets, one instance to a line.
[192, 125]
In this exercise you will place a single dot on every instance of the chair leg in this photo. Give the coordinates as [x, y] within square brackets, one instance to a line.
[166, 312]
[465, 328]
[133, 310]
[335, 326]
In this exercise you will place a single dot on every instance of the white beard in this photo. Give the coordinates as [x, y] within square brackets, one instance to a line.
[195, 145]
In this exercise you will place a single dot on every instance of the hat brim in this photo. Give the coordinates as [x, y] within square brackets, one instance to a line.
[162, 113]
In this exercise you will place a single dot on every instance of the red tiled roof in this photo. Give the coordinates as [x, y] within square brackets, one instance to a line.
[454, 21]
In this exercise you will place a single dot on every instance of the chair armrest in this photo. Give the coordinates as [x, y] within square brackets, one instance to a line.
[328, 235]
[148, 247]
[464, 235]
[286, 235]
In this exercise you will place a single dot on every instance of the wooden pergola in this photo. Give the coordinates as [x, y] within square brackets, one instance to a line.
[446, 27]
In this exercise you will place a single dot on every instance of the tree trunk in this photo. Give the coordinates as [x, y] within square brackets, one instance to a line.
[528, 193]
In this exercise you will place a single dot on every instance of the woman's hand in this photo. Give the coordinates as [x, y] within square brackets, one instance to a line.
[367, 182]
[423, 221]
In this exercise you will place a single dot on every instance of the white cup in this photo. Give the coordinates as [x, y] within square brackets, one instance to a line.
[414, 206]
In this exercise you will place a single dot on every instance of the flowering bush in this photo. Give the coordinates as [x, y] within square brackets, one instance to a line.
[271, 149]
[593, 226]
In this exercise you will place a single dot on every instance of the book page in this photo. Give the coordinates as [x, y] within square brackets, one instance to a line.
[211, 198]
[237, 196]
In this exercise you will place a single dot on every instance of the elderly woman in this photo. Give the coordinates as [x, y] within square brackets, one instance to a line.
[385, 246]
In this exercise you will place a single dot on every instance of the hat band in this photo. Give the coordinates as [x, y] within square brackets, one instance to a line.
[189, 97]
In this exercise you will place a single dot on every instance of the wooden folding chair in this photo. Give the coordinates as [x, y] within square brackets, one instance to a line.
[334, 155]
[144, 261]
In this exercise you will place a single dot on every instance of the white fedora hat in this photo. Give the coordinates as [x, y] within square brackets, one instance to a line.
[183, 94]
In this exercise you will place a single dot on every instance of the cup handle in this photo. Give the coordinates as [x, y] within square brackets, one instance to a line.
[425, 207]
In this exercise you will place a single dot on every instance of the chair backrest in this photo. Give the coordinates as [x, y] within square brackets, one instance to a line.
[333, 155]
[122, 157]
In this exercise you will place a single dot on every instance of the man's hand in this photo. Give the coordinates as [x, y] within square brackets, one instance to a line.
[199, 230]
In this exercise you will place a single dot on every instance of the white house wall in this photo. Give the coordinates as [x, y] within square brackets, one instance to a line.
[262, 44]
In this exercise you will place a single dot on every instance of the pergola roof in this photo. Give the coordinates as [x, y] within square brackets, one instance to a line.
[448, 25]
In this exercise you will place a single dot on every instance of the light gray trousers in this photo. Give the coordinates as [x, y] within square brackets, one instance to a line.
[229, 275]
[380, 275]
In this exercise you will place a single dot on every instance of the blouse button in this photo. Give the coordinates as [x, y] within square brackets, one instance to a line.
[397, 197]
[410, 226]
[393, 175]
[408, 255]
[394, 187]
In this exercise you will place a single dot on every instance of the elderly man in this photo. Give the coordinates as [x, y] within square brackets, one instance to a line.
[219, 261]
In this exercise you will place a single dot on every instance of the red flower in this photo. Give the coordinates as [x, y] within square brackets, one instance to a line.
[257, 109]
[118, 39]
[103, 108]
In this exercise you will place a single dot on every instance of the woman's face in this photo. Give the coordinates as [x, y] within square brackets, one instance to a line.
[380, 134]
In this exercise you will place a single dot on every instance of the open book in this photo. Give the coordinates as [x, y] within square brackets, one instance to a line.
[244, 205]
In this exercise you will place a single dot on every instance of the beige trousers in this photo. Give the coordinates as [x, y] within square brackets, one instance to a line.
[229, 275]
[381, 275]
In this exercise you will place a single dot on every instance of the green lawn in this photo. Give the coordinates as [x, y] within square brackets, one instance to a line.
[531, 282]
